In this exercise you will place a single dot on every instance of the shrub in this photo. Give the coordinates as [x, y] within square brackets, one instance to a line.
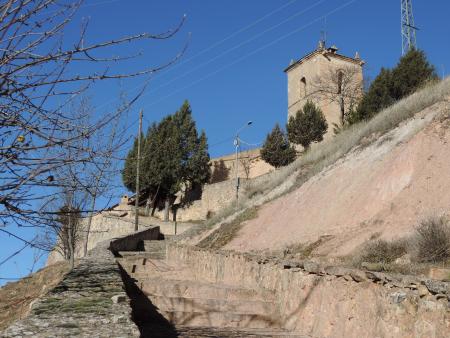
[276, 149]
[433, 240]
[384, 252]
[307, 126]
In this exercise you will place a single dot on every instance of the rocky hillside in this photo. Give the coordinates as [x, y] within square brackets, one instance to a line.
[16, 298]
[379, 179]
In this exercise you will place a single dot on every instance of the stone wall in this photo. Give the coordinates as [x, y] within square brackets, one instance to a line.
[135, 242]
[250, 159]
[330, 301]
[104, 226]
[214, 198]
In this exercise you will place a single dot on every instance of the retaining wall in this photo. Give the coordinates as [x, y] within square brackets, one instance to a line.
[330, 301]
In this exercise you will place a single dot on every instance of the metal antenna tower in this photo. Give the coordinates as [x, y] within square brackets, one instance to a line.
[408, 28]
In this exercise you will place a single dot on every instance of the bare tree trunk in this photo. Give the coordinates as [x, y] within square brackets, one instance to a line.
[166, 209]
[88, 228]
[147, 205]
[154, 205]
[71, 248]
[342, 105]
[153, 202]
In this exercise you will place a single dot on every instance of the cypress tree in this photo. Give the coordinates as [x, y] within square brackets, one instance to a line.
[276, 149]
[378, 97]
[307, 126]
[412, 71]
[174, 156]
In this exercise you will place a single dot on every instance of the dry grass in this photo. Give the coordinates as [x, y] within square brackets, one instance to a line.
[305, 250]
[16, 297]
[432, 240]
[383, 252]
[427, 246]
[227, 231]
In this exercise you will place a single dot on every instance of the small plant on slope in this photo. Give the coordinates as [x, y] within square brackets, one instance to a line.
[276, 149]
[307, 126]
[433, 240]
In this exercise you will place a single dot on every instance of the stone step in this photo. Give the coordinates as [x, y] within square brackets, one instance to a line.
[192, 289]
[220, 319]
[258, 307]
[201, 332]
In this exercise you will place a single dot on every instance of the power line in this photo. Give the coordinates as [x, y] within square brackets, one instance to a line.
[248, 55]
[243, 29]
[254, 37]
[12, 255]
[253, 52]
[215, 44]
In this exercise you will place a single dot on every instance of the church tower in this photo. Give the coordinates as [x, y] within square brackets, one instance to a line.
[332, 81]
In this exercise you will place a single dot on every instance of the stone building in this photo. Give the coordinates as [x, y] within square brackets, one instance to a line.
[332, 81]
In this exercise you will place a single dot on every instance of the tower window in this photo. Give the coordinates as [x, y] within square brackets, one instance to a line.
[303, 86]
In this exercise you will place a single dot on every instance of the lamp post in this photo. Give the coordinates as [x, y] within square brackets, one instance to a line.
[237, 143]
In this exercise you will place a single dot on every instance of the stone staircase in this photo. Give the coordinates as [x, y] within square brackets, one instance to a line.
[196, 308]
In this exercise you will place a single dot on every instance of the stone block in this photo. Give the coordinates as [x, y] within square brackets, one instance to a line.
[312, 267]
[121, 298]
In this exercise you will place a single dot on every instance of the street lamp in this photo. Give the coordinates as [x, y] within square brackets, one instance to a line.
[237, 143]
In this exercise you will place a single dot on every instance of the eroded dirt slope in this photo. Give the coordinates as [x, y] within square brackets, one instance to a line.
[387, 187]
[16, 297]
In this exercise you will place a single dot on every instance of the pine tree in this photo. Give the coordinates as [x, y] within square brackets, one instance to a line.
[199, 170]
[412, 71]
[378, 97]
[276, 149]
[307, 126]
[174, 156]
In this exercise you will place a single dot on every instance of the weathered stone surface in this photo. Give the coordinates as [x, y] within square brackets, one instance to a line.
[437, 287]
[398, 297]
[375, 276]
[358, 276]
[81, 304]
[337, 271]
[119, 298]
[422, 291]
[312, 267]
[321, 305]
[372, 266]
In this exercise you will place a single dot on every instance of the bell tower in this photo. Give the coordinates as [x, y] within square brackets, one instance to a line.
[331, 80]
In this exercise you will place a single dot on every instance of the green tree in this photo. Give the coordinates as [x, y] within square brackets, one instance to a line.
[378, 97]
[307, 126]
[174, 157]
[276, 149]
[412, 71]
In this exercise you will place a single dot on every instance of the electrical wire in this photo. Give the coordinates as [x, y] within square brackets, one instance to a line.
[212, 46]
[252, 53]
[225, 52]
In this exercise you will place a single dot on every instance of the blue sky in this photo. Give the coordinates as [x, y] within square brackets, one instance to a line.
[232, 71]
